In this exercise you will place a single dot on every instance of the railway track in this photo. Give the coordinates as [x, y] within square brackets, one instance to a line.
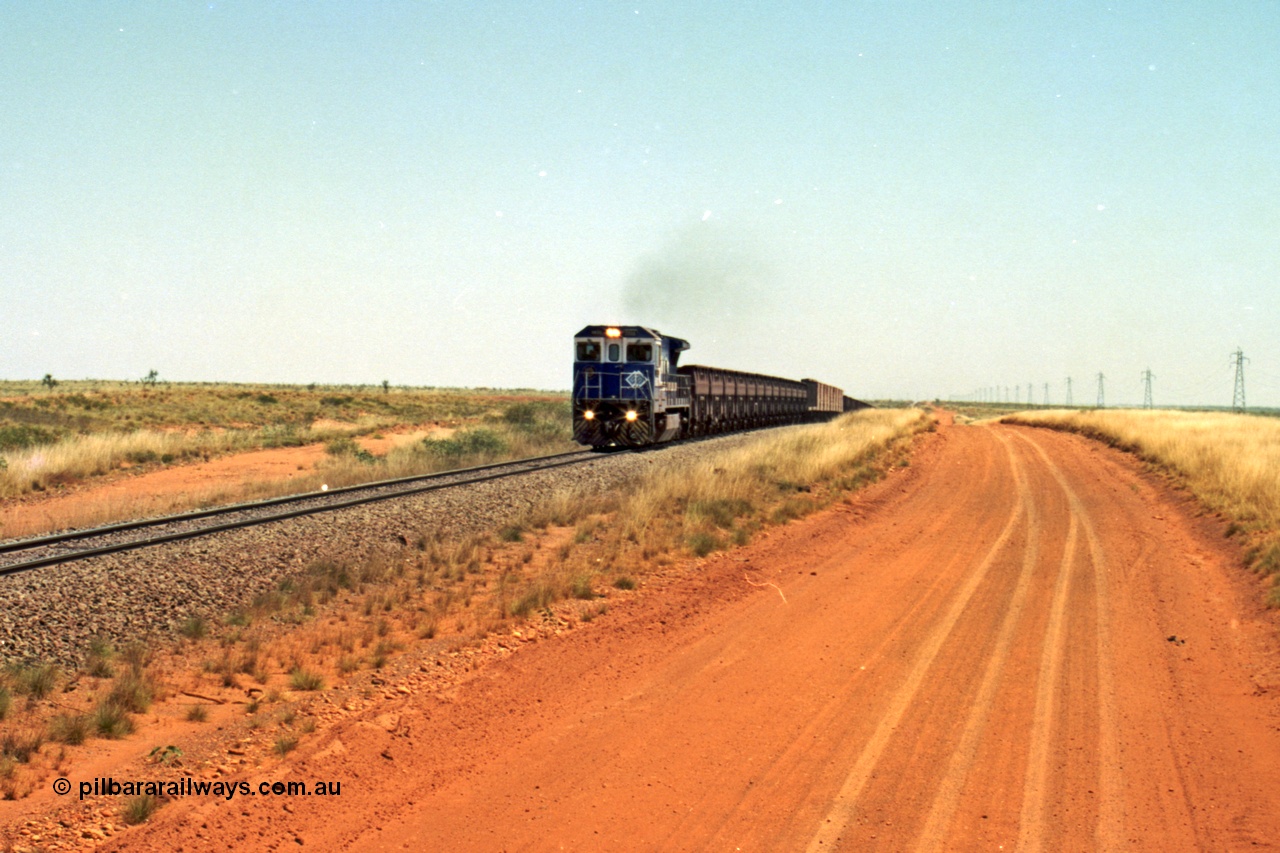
[25, 554]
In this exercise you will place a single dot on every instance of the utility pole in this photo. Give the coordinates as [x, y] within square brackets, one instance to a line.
[1102, 400]
[1068, 392]
[1147, 376]
[1237, 398]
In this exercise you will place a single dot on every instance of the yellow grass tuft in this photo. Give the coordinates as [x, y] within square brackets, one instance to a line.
[725, 491]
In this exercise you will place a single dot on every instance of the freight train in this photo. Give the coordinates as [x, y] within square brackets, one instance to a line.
[629, 390]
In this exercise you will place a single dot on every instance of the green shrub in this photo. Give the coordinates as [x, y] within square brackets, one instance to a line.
[132, 692]
[721, 512]
[482, 441]
[140, 808]
[547, 419]
[536, 598]
[582, 588]
[17, 436]
[301, 679]
[703, 543]
[344, 446]
[21, 742]
[1268, 560]
[111, 721]
[98, 661]
[472, 442]
[194, 627]
[166, 755]
[35, 680]
[70, 729]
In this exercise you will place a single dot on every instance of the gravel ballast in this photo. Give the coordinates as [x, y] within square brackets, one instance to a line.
[50, 614]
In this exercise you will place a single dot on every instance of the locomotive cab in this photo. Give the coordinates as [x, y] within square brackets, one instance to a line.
[626, 391]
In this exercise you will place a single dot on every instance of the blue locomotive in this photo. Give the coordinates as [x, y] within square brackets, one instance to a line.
[630, 390]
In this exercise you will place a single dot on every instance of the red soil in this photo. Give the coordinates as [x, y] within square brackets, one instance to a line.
[1021, 641]
[224, 480]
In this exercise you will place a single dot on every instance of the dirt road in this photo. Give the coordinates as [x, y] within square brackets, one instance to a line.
[1017, 643]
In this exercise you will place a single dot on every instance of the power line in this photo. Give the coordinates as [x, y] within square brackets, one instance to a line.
[1237, 397]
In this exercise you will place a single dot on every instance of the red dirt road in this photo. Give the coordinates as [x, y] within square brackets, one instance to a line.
[1019, 642]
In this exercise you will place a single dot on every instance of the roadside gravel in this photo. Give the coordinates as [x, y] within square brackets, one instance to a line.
[50, 614]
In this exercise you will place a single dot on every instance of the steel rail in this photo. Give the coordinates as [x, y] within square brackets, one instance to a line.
[540, 463]
[156, 521]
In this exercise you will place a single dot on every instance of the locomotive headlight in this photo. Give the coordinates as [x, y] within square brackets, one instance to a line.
[631, 416]
[612, 332]
[588, 415]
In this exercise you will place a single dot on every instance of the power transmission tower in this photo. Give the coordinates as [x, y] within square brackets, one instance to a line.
[1147, 376]
[1102, 400]
[1046, 394]
[1068, 392]
[1237, 398]
[1029, 387]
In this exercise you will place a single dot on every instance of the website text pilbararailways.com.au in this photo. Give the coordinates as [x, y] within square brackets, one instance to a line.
[107, 786]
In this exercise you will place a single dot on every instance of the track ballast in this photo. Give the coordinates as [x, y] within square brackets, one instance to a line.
[126, 536]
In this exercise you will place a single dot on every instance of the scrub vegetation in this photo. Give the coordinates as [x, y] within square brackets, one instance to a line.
[42, 705]
[565, 556]
[725, 498]
[1230, 462]
[79, 430]
[504, 431]
[562, 562]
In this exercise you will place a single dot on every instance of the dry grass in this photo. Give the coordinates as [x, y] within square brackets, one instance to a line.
[68, 717]
[1230, 462]
[772, 477]
[36, 458]
[88, 428]
[569, 552]
[718, 502]
[573, 557]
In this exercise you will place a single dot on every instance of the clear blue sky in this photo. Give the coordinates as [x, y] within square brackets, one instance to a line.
[906, 199]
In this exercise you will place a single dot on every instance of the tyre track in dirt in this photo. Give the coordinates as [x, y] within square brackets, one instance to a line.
[842, 810]
[934, 835]
[974, 655]
[1109, 833]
